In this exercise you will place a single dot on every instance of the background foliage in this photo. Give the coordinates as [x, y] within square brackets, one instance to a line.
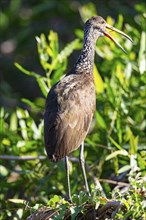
[115, 147]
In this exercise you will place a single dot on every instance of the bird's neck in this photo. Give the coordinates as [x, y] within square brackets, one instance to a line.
[85, 62]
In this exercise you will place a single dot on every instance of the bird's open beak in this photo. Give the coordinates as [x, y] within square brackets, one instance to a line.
[118, 31]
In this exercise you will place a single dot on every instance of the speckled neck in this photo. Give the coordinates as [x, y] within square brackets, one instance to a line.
[85, 61]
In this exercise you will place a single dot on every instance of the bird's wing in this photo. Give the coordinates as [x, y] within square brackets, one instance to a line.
[66, 121]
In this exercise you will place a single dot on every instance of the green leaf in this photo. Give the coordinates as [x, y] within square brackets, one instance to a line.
[55, 199]
[27, 101]
[115, 153]
[22, 113]
[100, 120]
[124, 169]
[74, 212]
[141, 163]
[43, 86]
[119, 129]
[29, 73]
[133, 141]
[6, 142]
[13, 122]
[99, 84]
[115, 143]
[53, 38]
[110, 92]
[3, 171]
[17, 201]
[116, 164]
[120, 21]
[142, 56]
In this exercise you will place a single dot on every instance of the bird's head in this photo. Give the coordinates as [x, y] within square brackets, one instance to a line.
[98, 27]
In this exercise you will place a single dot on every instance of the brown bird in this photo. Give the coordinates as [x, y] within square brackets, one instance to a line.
[71, 102]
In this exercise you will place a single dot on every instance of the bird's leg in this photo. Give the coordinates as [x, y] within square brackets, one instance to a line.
[68, 179]
[82, 162]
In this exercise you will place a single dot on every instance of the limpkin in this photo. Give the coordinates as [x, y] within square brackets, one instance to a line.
[70, 103]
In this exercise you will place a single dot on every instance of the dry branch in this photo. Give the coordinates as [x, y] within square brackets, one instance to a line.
[6, 157]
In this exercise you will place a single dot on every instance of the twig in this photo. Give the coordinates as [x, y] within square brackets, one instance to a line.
[104, 146]
[114, 182]
[6, 157]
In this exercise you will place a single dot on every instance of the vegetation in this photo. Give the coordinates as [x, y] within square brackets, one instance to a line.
[115, 147]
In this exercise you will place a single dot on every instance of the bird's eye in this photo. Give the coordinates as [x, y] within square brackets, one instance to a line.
[97, 28]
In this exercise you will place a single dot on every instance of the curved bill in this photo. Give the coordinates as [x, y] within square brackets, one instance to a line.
[118, 31]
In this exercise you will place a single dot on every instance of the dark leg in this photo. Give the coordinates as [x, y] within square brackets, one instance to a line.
[82, 162]
[67, 175]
